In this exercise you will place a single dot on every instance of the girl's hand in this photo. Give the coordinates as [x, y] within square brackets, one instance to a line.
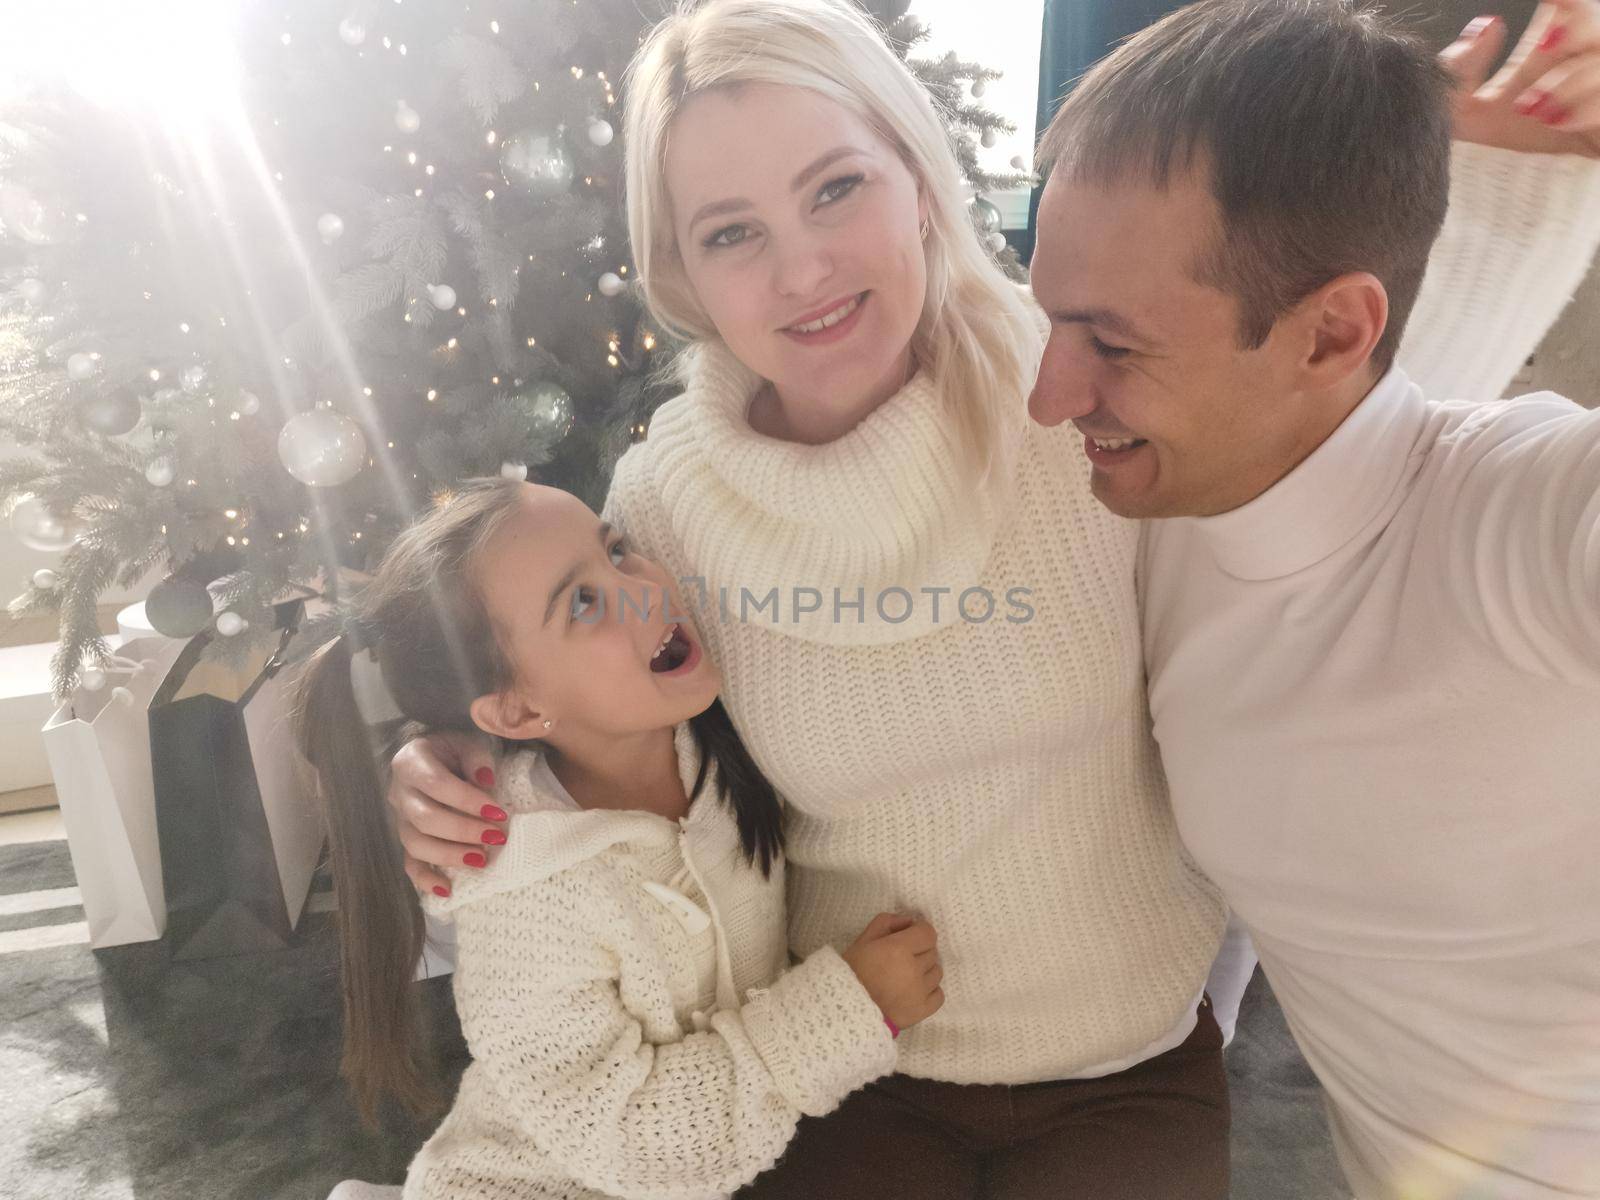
[443, 820]
[896, 958]
[1546, 99]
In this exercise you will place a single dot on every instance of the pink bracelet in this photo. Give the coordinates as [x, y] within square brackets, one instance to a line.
[894, 1030]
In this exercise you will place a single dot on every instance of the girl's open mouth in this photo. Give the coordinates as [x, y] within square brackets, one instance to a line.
[674, 652]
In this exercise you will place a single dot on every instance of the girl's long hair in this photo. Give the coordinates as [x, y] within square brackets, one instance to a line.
[425, 619]
[978, 338]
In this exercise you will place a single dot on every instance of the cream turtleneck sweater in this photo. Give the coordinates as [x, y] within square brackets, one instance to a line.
[996, 776]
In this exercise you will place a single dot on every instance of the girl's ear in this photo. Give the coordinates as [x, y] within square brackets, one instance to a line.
[507, 715]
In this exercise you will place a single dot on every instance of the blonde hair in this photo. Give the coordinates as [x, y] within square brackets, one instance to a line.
[977, 339]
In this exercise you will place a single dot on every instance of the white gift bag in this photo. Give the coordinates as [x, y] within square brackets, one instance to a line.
[98, 744]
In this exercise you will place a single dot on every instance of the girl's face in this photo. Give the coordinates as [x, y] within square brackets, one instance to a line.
[799, 232]
[581, 618]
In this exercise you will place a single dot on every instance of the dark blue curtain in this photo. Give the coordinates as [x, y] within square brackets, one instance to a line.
[1077, 34]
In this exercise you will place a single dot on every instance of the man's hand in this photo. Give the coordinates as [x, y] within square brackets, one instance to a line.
[1546, 99]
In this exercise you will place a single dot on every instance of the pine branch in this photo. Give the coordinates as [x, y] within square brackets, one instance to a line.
[488, 76]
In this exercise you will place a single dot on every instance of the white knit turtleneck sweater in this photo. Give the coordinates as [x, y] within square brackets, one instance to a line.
[996, 776]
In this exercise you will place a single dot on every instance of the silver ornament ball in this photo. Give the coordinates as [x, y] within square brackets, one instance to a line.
[442, 296]
[81, 366]
[985, 216]
[249, 403]
[322, 448]
[112, 414]
[178, 607]
[1019, 163]
[996, 242]
[330, 227]
[231, 624]
[537, 163]
[979, 87]
[550, 408]
[46, 580]
[990, 139]
[514, 470]
[91, 679]
[601, 132]
[23, 216]
[611, 284]
[159, 473]
[38, 528]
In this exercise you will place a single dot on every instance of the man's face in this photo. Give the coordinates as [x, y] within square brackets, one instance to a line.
[1178, 419]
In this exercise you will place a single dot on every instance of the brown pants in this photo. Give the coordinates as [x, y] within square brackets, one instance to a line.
[1157, 1131]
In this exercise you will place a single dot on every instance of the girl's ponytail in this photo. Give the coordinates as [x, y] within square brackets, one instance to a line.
[741, 785]
[381, 926]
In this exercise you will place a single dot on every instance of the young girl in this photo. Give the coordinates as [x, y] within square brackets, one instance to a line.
[620, 971]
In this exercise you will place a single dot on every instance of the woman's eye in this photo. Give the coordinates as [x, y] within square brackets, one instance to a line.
[838, 189]
[728, 235]
[619, 551]
[582, 599]
[1108, 352]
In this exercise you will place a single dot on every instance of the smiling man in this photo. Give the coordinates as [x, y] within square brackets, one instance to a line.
[1371, 613]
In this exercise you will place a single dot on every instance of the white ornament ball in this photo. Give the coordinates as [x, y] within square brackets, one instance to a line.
[91, 679]
[159, 473]
[322, 448]
[32, 291]
[37, 528]
[979, 87]
[514, 470]
[192, 378]
[996, 242]
[231, 624]
[45, 579]
[330, 228]
[80, 366]
[249, 403]
[990, 138]
[611, 284]
[352, 32]
[443, 296]
[601, 132]
[406, 118]
[1019, 163]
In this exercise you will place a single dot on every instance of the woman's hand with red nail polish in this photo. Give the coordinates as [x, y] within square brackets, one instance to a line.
[438, 815]
[1546, 99]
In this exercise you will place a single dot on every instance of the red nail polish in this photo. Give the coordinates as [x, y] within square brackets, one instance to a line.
[441, 891]
[1554, 115]
[1554, 38]
[473, 859]
[1532, 103]
[493, 837]
[483, 777]
[491, 813]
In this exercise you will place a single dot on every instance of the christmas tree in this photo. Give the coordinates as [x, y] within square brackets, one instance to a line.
[340, 261]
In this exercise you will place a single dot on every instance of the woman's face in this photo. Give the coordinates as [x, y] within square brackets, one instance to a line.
[799, 232]
[581, 616]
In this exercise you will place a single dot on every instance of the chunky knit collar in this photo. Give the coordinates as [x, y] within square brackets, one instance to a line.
[885, 506]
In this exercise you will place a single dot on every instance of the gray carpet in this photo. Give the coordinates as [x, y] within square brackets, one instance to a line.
[131, 1076]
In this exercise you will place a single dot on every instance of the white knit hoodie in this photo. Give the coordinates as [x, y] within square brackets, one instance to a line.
[601, 962]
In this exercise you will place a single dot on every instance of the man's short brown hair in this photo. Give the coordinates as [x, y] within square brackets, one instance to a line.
[1324, 131]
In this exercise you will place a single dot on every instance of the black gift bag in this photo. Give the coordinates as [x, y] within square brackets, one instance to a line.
[240, 837]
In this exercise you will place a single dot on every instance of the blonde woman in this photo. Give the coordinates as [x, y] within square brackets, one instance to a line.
[926, 626]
